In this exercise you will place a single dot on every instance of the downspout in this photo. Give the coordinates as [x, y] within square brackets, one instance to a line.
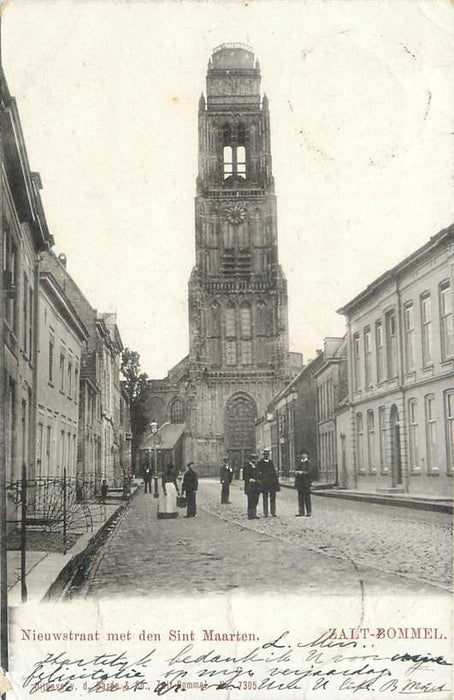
[400, 379]
[35, 351]
[352, 408]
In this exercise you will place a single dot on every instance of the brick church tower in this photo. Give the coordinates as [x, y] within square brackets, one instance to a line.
[238, 319]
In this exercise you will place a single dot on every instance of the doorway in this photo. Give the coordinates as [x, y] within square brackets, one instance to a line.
[396, 457]
[240, 416]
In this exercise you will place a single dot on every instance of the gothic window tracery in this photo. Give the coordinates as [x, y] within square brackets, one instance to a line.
[246, 334]
[240, 415]
[177, 411]
[230, 335]
[230, 326]
[263, 318]
[246, 326]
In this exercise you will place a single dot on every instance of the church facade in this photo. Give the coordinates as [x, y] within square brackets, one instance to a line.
[238, 318]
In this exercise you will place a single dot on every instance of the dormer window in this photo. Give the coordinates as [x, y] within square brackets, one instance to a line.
[234, 152]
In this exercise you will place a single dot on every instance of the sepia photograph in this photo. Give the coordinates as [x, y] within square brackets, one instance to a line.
[227, 358]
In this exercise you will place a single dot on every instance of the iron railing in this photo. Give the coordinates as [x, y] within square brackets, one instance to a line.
[59, 507]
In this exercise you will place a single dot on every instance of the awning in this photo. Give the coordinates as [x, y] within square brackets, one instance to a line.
[167, 437]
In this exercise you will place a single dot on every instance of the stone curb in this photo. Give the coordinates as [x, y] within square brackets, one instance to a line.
[384, 500]
[83, 549]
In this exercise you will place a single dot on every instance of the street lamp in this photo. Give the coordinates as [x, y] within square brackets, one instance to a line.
[154, 430]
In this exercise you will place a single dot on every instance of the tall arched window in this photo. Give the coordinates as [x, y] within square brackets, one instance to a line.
[215, 320]
[227, 151]
[246, 321]
[233, 151]
[230, 326]
[246, 335]
[263, 318]
[263, 332]
[230, 335]
[228, 161]
[241, 161]
[177, 411]
[214, 332]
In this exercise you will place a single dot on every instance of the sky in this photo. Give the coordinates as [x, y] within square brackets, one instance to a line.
[361, 106]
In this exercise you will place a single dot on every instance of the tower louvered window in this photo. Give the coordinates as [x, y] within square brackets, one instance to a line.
[234, 151]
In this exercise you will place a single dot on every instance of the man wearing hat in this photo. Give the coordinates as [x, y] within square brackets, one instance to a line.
[251, 486]
[303, 479]
[226, 480]
[269, 483]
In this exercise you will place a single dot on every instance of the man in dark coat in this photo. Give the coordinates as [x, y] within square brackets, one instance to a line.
[303, 480]
[147, 475]
[251, 486]
[226, 480]
[189, 486]
[269, 483]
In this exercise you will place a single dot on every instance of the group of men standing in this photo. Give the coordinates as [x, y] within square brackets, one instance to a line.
[260, 477]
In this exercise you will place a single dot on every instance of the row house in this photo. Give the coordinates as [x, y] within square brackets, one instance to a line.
[99, 396]
[290, 421]
[125, 433]
[62, 339]
[331, 382]
[397, 432]
[109, 352]
[23, 236]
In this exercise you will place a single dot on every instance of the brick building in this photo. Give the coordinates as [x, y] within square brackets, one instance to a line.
[238, 352]
[400, 432]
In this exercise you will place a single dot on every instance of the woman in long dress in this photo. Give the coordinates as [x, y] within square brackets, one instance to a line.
[167, 504]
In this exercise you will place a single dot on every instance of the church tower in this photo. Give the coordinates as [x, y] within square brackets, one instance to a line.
[238, 318]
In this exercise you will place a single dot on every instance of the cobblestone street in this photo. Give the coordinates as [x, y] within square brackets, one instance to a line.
[221, 550]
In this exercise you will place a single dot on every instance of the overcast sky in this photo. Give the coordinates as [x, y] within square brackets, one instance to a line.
[361, 105]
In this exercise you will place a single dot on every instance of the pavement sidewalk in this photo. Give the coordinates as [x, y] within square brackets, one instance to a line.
[44, 569]
[406, 500]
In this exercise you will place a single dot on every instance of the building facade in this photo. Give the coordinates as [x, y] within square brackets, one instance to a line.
[109, 351]
[331, 381]
[124, 434]
[401, 375]
[23, 235]
[238, 320]
[289, 423]
[62, 337]
[99, 402]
